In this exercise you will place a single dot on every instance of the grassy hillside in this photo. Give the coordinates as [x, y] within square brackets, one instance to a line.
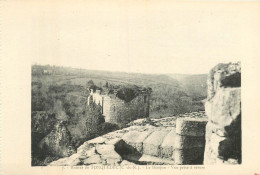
[59, 96]
[194, 85]
[172, 94]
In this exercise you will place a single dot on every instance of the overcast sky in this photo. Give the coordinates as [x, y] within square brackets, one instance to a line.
[151, 37]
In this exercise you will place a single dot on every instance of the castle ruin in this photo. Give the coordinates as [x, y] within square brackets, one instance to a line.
[120, 107]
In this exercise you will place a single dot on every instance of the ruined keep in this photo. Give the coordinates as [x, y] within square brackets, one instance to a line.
[188, 139]
[121, 105]
[223, 108]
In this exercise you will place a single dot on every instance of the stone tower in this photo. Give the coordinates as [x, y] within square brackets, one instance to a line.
[119, 111]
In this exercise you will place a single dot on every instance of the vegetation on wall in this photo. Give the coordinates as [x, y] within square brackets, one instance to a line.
[60, 94]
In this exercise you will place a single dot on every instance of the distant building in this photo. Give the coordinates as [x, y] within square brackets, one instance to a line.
[47, 72]
[120, 111]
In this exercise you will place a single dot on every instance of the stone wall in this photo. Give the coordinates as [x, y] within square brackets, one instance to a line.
[223, 108]
[190, 141]
[162, 141]
[120, 112]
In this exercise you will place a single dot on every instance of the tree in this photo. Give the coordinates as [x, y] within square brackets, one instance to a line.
[94, 118]
[90, 83]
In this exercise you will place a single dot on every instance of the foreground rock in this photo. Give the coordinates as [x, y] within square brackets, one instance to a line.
[58, 141]
[144, 142]
[223, 108]
[190, 141]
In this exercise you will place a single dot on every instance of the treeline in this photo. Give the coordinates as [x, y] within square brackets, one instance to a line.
[52, 103]
[169, 96]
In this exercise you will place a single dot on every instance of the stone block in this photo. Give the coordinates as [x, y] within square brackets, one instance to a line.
[225, 107]
[184, 142]
[167, 146]
[223, 75]
[191, 126]
[126, 163]
[191, 156]
[136, 138]
[148, 159]
[87, 153]
[83, 148]
[114, 141]
[98, 140]
[73, 160]
[94, 159]
[108, 152]
[151, 145]
[222, 147]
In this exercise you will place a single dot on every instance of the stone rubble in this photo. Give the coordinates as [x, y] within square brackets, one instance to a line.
[153, 144]
[192, 138]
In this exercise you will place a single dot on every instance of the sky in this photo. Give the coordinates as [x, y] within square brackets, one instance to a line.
[138, 36]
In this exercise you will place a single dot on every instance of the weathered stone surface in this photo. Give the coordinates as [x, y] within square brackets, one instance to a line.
[151, 145]
[223, 147]
[136, 138]
[184, 142]
[148, 144]
[188, 156]
[125, 162]
[94, 159]
[167, 146]
[98, 140]
[113, 141]
[155, 160]
[223, 131]
[84, 148]
[73, 160]
[112, 161]
[119, 112]
[223, 75]
[225, 106]
[87, 153]
[191, 126]
[108, 152]
[58, 141]
[214, 128]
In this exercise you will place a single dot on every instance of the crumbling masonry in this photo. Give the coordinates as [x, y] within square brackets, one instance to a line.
[119, 111]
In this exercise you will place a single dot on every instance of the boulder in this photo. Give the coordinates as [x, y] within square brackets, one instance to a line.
[94, 159]
[98, 140]
[126, 163]
[84, 148]
[108, 153]
[223, 108]
[151, 145]
[168, 144]
[148, 159]
[73, 160]
[136, 138]
[58, 141]
[222, 76]
[87, 153]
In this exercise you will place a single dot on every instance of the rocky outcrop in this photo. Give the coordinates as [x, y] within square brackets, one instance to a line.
[144, 142]
[223, 108]
[58, 141]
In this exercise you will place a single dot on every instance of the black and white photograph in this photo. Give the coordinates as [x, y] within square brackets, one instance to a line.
[87, 117]
[129, 89]
[130, 86]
